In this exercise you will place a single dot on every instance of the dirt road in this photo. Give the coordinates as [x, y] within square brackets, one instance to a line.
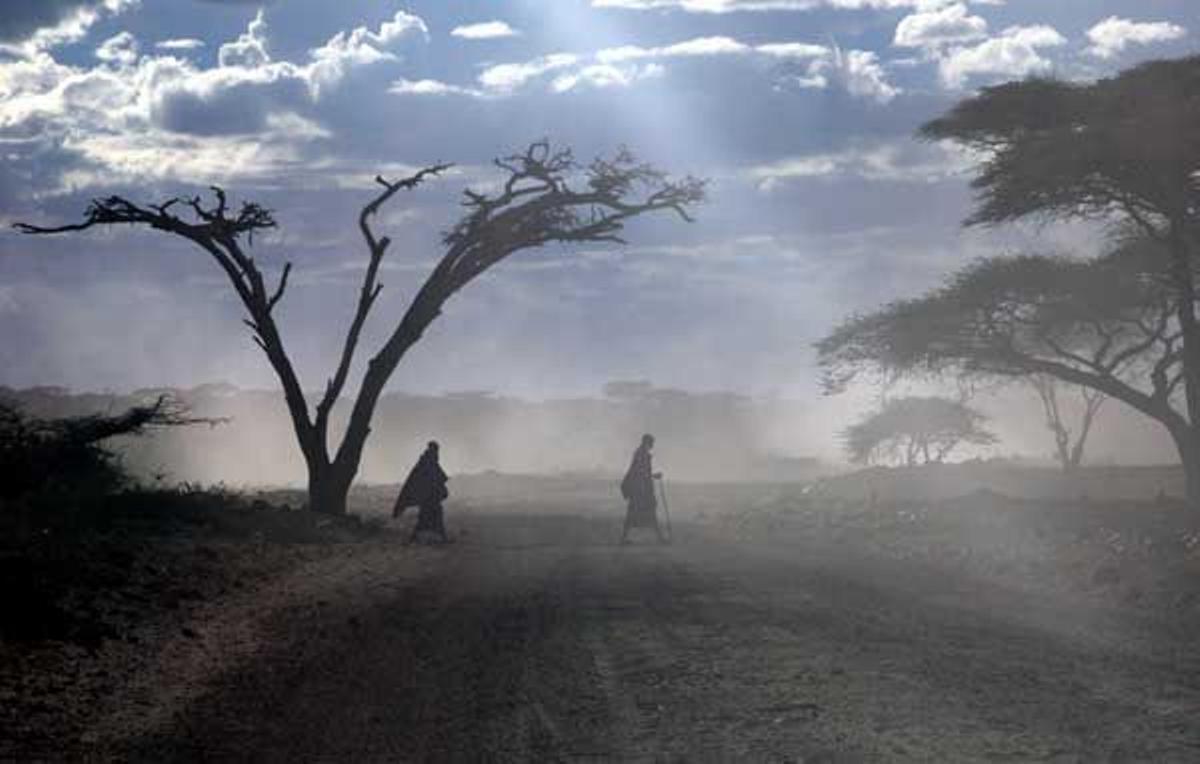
[535, 637]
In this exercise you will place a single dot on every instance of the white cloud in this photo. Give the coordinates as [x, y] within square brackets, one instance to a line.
[706, 6]
[265, 157]
[361, 46]
[249, 49]
[792, 50]
[431, 87]
[71, 28]
[158, 116]
[120, 49]
[937, 28]
[711, 46]
[328, 63]
[485, 30]
[864, 77]
[605, 75]
[179, 43]
[699, 46]
[1014, 53]
[509, 77]
[736, 6]
[858, 71]
[900, 162]
[1111, 36]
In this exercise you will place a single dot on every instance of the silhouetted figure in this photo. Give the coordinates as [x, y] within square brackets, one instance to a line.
[638, 490]
[425, 488]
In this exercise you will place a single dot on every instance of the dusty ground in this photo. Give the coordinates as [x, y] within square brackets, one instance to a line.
[775, 634]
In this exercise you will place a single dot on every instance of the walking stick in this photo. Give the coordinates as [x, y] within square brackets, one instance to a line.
[662, 490]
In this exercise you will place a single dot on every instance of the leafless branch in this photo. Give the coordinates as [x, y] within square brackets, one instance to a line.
[283, 280]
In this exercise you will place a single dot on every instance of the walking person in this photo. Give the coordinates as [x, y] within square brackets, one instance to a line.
[426, 489]
[638, 490]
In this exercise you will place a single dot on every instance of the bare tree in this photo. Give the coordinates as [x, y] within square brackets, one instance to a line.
[546, 198]
[1068, 451]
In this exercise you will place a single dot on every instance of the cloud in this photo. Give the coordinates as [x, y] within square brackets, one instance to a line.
[1110, 37]
[711, 46]
[857, 71]
[120, 49]
[792, 50]
[270, 156]
[1014, 53]
[938, 28]
[158, 116]
[509, 77]
[860, 72]
[360, 47]
[604, 76]
[898, 162]
[699, 46]
[706, 6]
[249, 50]
[431, 87]
[763, 6]
[179, 43]
[485, 30]
[28, 26]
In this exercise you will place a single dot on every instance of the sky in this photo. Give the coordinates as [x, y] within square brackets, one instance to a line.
[801, 113]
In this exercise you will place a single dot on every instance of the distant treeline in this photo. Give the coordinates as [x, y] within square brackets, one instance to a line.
[701, 436]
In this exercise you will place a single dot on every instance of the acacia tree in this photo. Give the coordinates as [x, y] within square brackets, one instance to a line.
[1068, 442]
[1107, 325]
[1124, 149]
[915, 430]
[547, 197]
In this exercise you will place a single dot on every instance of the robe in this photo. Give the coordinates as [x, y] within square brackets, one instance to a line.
[424, 488]
[638, 490]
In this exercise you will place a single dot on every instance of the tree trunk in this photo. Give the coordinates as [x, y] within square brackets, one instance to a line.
[1187, 442]
[328, 490]
[1188, 439]
[1191, 470]
[379, 369]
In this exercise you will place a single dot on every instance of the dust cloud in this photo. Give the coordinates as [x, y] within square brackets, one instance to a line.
[703, 437]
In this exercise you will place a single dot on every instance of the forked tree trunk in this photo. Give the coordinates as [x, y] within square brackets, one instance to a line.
[329, 490]
[329, 481]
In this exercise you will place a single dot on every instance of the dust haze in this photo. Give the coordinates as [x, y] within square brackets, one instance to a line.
[600, 380]
[703, 436]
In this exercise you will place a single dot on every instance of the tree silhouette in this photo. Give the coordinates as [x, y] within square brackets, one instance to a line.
[35, 451]
[1069, 442]
[1106, 325]
[915, 430]
[1123, 149]
[547, 197]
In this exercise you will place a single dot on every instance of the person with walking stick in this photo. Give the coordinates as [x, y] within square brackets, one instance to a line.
[638, 490]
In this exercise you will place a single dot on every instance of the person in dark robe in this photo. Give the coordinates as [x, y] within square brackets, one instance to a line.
[638, 490]
[425, 489]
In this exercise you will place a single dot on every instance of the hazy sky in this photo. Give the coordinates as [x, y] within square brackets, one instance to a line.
[801, 112]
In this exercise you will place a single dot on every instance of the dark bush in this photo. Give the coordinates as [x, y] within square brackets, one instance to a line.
[68, 454]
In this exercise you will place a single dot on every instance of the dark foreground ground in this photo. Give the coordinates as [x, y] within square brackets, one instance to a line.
[776, 633]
